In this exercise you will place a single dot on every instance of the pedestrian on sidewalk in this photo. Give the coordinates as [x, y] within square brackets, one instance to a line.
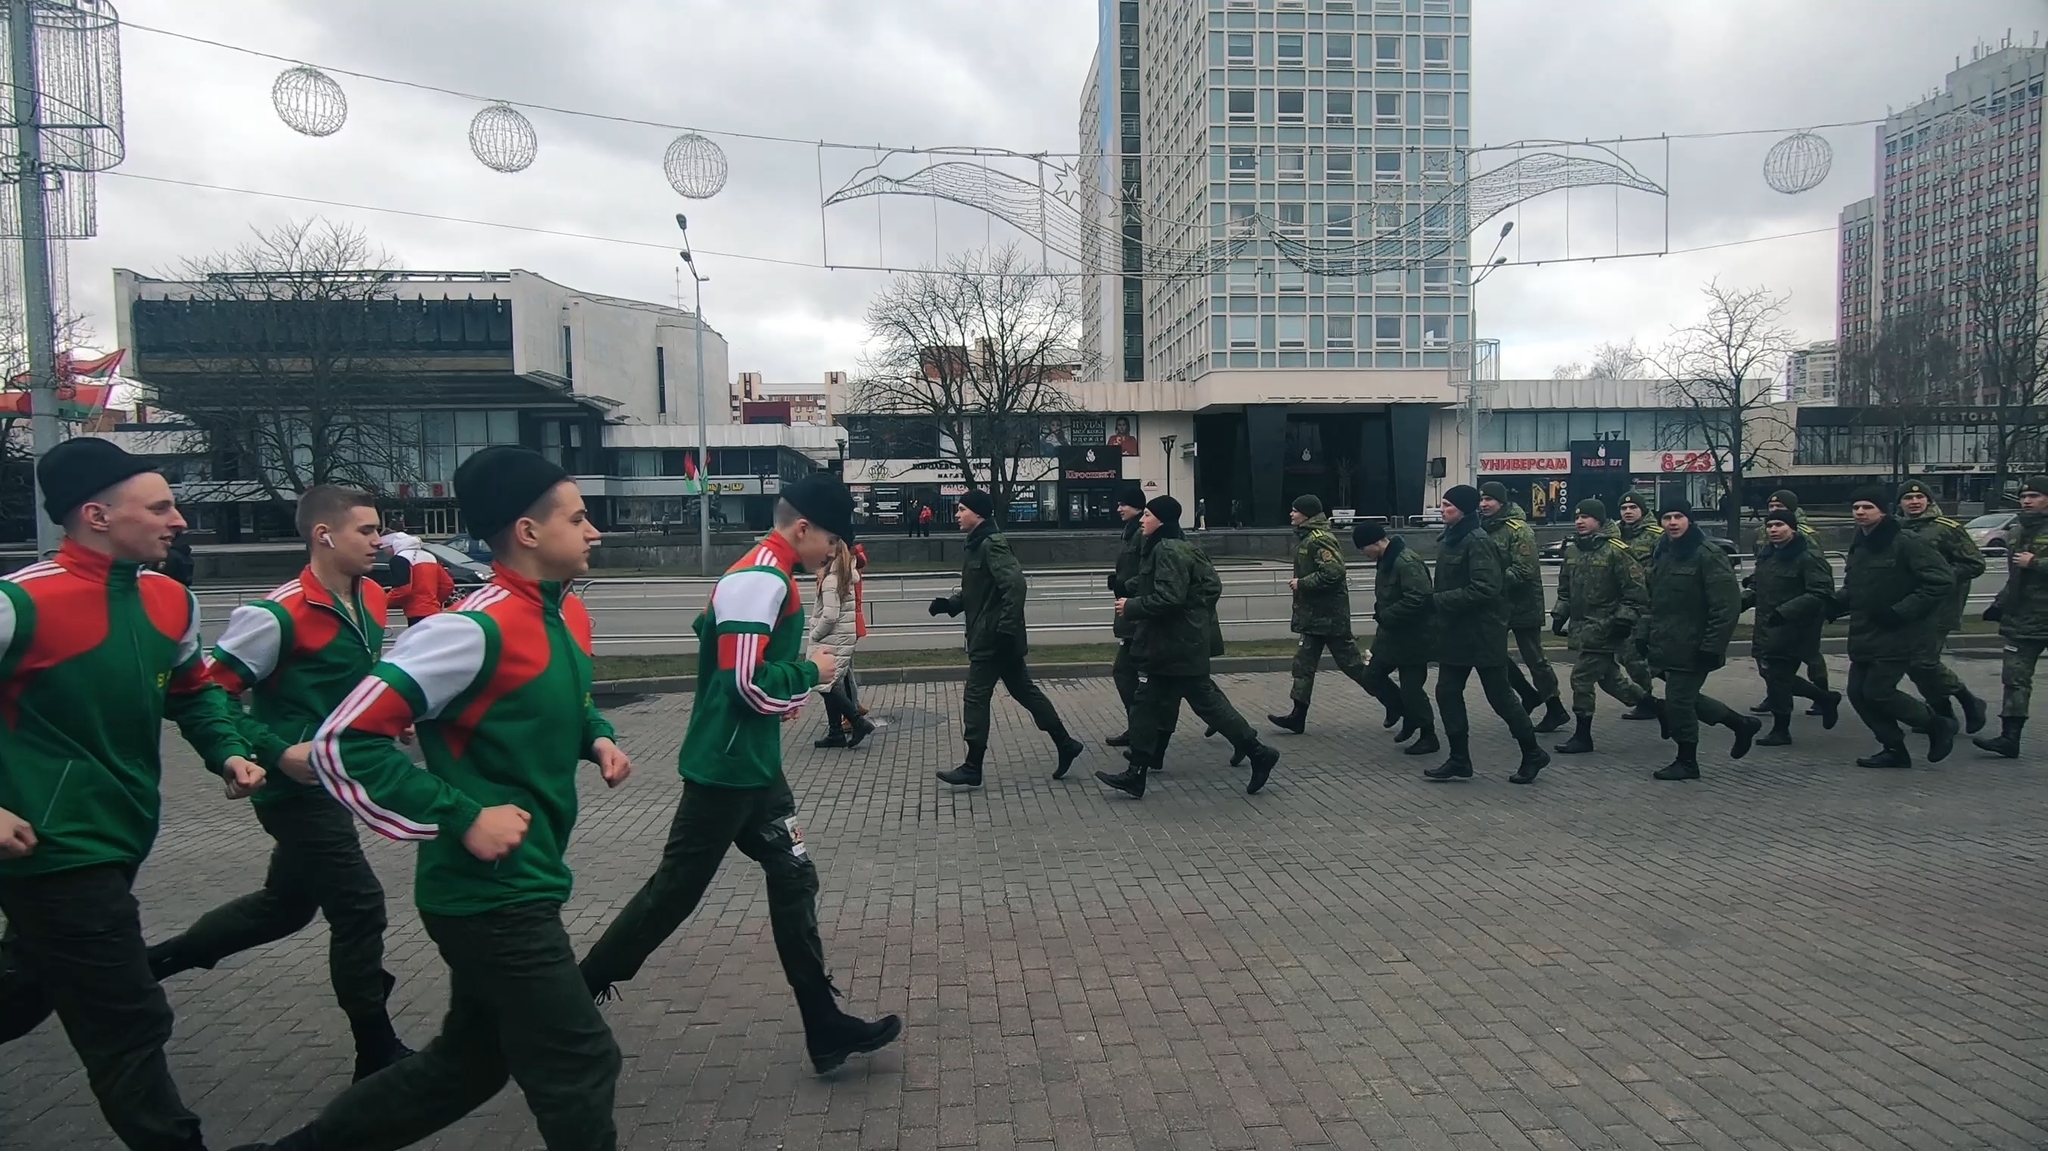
[1931, 674]
[752, 673]
[2021, 613]
[499, 691]
[833, 627]
[1522, 577]
[1172, 601]
[1322, 611]
[96, 651]
[1695, 601]
[1472, 635]
[860, 632]
[1402, 603]
[1792, 591]
[992, 589]
[1601, 595]
[428, 588]
[1639, 530]
[1894, 589]
[298, 653]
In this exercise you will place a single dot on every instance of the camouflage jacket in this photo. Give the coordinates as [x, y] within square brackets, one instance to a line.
[1795, 585]
[1521, 572]
[1172, 603]
[1955, 545]
[1895, 590]
[1601, 590]
[1694, 603]
[1401, 604]
[2024, 599]
[1322, 600]
[1641, 539]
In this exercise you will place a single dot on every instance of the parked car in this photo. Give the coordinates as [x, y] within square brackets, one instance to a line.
[471, 547]
[1989, 529]
[466, 571]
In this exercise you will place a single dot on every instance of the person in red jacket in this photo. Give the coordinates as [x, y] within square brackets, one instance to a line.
[96, 651]
[299, 652]
[428, 588]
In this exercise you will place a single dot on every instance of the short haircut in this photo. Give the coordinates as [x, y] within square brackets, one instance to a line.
[326, 503]
[537, 510]
[786, 514]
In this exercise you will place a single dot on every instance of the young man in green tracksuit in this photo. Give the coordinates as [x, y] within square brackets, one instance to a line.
[96, 651]
[1130, 504]
[752, 675]
[2021, 613]
[499, 690]
[299, 652]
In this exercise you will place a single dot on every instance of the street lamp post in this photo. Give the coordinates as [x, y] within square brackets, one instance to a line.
[1166, 444]
[1494, 260]
[703, 414]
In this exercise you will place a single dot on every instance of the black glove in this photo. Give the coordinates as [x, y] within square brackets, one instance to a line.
[1708, 660]
[1559, 625]
[1776, 618]
[1886, 617]
[941, 606]
[1993, 614]
[1112, 581]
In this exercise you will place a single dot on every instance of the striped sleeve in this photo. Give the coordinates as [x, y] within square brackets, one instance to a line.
[747, 604]
[206, 716]
[251, 648]
[354, 751]
[17, 622]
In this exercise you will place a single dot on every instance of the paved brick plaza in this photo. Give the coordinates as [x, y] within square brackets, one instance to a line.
[1792, 953]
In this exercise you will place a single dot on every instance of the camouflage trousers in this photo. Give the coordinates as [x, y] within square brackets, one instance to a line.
[1343, 649]
[1541, 682]
[1603, 670]
[1450, 700]
[2016, 675]
[1409, 699]
[1687, 707]
[1937, 681]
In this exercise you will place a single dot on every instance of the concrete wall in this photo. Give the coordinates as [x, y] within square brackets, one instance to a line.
[612, 344]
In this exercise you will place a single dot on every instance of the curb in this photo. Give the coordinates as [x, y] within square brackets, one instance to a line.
[1225, 665]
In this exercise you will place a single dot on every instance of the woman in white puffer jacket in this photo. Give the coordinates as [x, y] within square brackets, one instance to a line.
[832, 624]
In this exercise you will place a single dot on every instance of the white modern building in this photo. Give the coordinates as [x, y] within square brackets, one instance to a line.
[1813, 375]
[809, 402]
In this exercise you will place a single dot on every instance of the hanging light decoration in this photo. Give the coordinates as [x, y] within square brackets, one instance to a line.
[1798, 163]
[503, 138]
[309, 101]
[695, 167]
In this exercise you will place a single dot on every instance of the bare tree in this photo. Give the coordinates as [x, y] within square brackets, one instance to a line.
[287, 368]
[2001, 331]
[1617, 361]
[980, 346]
[1569, 370]
[1910, 363]
[1716, 374]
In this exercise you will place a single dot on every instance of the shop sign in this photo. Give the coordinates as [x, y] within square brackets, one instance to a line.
[1548, 464]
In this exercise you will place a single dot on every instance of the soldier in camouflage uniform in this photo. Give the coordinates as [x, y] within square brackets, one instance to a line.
[2021, 613]
[1402, 600]
[1130, 504]
[1471, 636]
[1322, 610]
[1515, 540]
[1894, 588]
[1936, 680]
[1695, 600]
[1639, 530]
[1601, 594]
[1786, 500]
[1792, 590]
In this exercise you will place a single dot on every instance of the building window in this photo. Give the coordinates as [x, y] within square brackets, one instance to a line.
[1244, 277]
[1386, 331]
[1436, 166]
[1244, 331]
[1337, 108]
[1293, 219]
[1386, 108]
[1386, 52]
[1244, 160]
[1436, 276]
[1339, 332]
[1388, 281]
[1243, 219]
[1386, 166]
[1293, 164]
[1293, 331]
[1295, 281]
[1336, 51]
[1386, 217]
[568, 360]
[1436, 331]
[1337, 166]
[1289, 46]
[1291, 105]
[1436, 109]
[1340, 222]
[1436, 52]
[1239, 47]
[1244, 106]
[660, 381]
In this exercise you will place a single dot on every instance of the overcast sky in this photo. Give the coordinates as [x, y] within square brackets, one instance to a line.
[1001, 73]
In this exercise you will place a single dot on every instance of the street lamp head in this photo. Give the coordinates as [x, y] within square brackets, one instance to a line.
[682, 221]
[1504, 228]
[685, 254]
[1498, 261]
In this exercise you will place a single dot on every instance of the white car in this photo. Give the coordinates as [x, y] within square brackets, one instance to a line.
[1988, 530]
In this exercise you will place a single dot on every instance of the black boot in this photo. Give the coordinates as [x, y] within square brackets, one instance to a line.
[1130, 781]
[1685, 766]
[1763, 708]
[1426, 745]
[1120, 739]
[1643, 710]
[835, 724]
[1554, 716]
[1069, 749]
[1829, 708]
[1263, 758]
[1974, 711]
[377, 1045]
[1458, 766]
[2007, 741]
[1408, 727]
[1780, 734]
[968, 774]
[1393, 714]
[1889, 758]
[1530, 700]
[1745, 730]
[863, 727]
[1293, 721]
[1534, 759]
[1581, 741]
[1208, 731]
[1941, 738]
[169, 958]
[831, 1034]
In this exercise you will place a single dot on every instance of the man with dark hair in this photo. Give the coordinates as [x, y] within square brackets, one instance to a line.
[1130, 504]
[751, 675]
[1792, 590]
[500, 692]
[1931, 674]
[96, 651]
[1522, 575]
[1695, 601]
[1402, 604]
[1601, 593]
[1322, 611]
[1472, 635]
[1172, 599]
[1894, 589]
[992, 589]
[1638, 529]
[2021, 613]
[299, 652]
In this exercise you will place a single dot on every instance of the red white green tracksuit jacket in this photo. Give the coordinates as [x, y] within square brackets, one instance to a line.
[500, 690]
[750, 671]
[299, 655]
[94, 654]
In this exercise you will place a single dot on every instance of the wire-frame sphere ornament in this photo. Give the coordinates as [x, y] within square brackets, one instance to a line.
[695, 167]
[503, 138]
[309, 101]
[1798, 163]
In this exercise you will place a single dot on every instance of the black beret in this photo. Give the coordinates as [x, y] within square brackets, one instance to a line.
[1785, 496]
[78, 469]
[823, 500]
[497, 485]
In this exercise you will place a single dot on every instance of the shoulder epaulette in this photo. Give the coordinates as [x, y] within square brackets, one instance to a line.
[1946, 522]
[1511, 522]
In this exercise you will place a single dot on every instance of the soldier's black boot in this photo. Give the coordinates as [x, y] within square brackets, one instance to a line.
[1263, 757]
[2007, 741]
[1974, 711]
[1941, 738]
[1130, 781]
[968, 774]
[1209, 731]
[1293, 721]
[1120, 739]
[1554, 716]
[831, 1034]
[1829, 709]
[1458, 766]
[1644, 710]
[1581, 741]
[1534, 759]
[1745, 730]
[1685, 766]
[1892, 758]
[169, 957]
[1425, 744]
[1069, 749]
[1780, 734]
[1408, 727]
[1763, 708]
